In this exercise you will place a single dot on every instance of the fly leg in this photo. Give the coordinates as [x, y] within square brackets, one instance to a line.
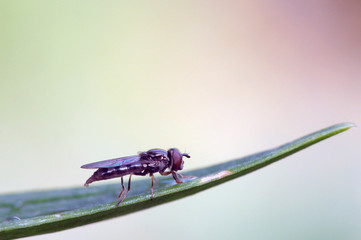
[165, 173]
[185, 177]
[156, 180]
[176, 178]
[123, 188]
[174, 174]
[125, 194]
[152, 187]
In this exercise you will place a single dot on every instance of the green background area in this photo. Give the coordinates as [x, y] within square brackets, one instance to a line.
[87, 81]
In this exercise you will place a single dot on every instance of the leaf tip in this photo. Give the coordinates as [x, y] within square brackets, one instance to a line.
[348, 125]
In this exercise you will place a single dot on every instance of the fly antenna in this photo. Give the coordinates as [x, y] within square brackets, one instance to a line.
[185, 154]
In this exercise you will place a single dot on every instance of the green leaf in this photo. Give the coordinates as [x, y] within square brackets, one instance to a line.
[33, 213]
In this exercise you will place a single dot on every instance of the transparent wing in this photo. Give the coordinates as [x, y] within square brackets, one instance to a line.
[116, 162]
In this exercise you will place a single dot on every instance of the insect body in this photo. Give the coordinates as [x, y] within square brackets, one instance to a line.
[152, 161]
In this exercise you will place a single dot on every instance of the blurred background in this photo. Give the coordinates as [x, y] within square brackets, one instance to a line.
[87, 81]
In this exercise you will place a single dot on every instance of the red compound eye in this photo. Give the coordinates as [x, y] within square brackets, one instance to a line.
[176, 159]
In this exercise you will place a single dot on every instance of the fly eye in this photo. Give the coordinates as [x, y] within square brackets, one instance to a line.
[176, 159]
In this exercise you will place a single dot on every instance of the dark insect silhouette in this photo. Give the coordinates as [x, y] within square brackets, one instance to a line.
[149, 162]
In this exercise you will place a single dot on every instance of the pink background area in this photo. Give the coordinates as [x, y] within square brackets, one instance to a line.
[87, 81]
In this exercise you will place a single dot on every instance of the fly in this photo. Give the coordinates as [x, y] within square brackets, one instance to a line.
[149, 162]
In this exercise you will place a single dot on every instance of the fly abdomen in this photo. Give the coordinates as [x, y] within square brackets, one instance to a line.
[108, 173]
[105, 173]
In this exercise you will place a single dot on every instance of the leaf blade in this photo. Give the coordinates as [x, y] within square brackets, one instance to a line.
[50, 211]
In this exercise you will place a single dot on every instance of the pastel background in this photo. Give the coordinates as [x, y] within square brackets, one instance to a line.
[84, 81]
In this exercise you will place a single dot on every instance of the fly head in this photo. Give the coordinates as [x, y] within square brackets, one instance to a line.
[176, 159]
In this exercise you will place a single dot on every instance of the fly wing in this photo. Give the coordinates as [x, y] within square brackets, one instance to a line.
[116, 162]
